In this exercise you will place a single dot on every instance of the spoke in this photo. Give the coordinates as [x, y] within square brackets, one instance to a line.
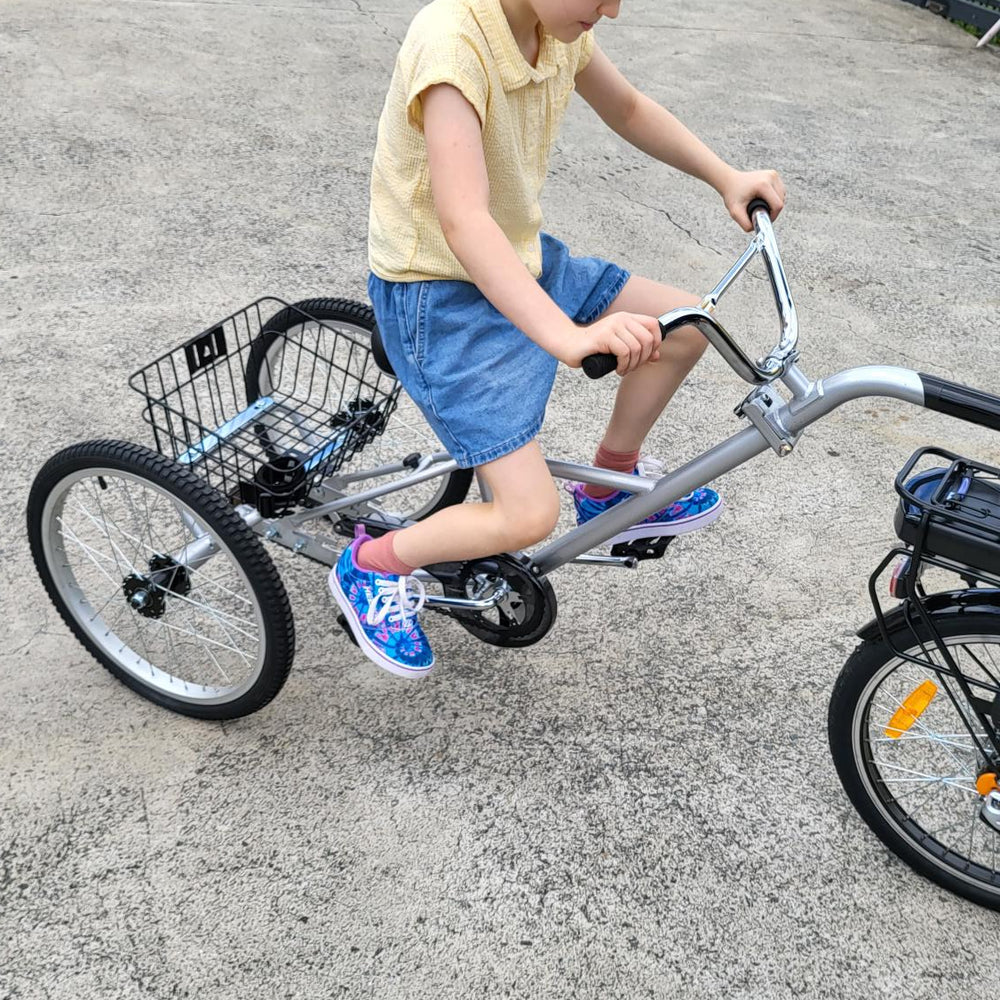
[949, 780]
[218, 665]
[922, 728]
[199, 580]
[226, 632]
[204, 639]
[91, 553]
[993, 677]
[982, 666]
[972, 828]
[220, 617]
[921, 802]
[940, 738]
[102, 524]
[947, 826]
[102, 527]
[136, 519]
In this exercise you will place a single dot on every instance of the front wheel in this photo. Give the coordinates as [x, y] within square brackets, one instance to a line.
[911, 765]
[160, 579]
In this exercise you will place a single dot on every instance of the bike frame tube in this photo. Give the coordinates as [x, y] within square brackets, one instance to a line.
[650, 495]
[823, 397]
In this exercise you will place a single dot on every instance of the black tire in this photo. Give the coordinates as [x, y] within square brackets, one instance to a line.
[905, 795]
[198, 617]
[358, 320]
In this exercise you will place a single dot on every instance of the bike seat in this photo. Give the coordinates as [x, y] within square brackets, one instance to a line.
[378, 353]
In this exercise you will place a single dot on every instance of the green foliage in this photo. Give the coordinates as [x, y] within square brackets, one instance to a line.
[973, 30]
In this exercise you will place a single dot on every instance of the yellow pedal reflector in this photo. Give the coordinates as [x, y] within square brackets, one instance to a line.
[986, 783]
[911, 709]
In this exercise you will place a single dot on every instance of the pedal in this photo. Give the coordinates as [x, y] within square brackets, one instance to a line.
[643, 548]
[342, 622]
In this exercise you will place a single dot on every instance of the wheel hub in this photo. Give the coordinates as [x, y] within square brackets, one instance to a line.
[990, 810]
[146, 593]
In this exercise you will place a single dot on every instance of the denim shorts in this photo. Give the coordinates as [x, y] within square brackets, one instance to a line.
[480, 382]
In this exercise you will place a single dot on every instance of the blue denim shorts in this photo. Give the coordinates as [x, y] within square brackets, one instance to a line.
[480, 382]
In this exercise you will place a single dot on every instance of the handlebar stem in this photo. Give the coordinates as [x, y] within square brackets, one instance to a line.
[777, 362]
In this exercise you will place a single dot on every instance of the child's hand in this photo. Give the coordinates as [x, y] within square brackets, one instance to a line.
[745, 185]
[632, 338]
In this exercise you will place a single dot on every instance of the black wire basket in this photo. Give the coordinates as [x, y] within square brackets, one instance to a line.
[266, 413]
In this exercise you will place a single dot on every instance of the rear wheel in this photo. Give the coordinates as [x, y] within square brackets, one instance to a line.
[160, 579]
[914, 768]
[275, 356]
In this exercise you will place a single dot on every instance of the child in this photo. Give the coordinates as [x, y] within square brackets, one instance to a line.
[476, 306]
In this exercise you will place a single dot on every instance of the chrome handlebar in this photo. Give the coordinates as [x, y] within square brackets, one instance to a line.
[774, 364]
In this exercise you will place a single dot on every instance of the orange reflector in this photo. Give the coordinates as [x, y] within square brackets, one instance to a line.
[986, 783]
[911, 709]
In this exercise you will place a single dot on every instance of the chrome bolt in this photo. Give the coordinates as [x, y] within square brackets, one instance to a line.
[139, 599]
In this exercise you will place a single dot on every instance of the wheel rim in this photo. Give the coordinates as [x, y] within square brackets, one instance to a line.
[924, 782]
[101, 529]
[407, 431]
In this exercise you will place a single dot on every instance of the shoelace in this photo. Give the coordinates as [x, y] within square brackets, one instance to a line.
[394, 600]
[646, 466]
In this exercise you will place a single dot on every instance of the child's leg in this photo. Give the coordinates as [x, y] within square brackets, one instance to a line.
[523, 511]
[644, 393]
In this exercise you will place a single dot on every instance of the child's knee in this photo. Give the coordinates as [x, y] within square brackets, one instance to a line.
[531, 523]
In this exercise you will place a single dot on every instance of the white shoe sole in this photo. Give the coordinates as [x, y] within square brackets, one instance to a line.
[696, 523]
[364, 643]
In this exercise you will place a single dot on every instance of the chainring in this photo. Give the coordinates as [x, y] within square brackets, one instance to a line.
[526, 612]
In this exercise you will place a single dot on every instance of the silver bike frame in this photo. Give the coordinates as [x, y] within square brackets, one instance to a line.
[776, 422]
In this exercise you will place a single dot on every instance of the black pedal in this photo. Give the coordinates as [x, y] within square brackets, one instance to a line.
[342, 622]
[643, 548]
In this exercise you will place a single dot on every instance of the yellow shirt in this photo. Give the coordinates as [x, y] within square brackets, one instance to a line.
[468, 44]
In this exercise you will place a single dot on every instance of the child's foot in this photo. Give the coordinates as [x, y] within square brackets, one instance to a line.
[381, 611]
[696, 510]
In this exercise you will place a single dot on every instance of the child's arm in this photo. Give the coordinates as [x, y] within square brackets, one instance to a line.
[461, 191]
[655, 131]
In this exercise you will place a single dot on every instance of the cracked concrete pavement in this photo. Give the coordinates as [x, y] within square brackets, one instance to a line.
[643, 805]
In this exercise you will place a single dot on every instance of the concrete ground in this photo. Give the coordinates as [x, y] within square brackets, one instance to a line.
[643, 805]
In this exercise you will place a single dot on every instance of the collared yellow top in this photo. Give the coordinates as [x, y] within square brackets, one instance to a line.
[468, 44]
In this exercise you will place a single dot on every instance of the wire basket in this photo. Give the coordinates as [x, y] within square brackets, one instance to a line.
[266, 413]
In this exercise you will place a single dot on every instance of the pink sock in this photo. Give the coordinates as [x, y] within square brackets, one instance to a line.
[619, 461]
[377, 555]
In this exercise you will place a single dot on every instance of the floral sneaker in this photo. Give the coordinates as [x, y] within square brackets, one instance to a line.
[381, 611]
[696, 510]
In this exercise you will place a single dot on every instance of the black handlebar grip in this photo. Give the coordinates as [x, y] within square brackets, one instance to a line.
[599, 365]
[756, 205]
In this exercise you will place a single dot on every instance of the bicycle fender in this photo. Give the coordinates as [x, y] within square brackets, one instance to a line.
[954, 602]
